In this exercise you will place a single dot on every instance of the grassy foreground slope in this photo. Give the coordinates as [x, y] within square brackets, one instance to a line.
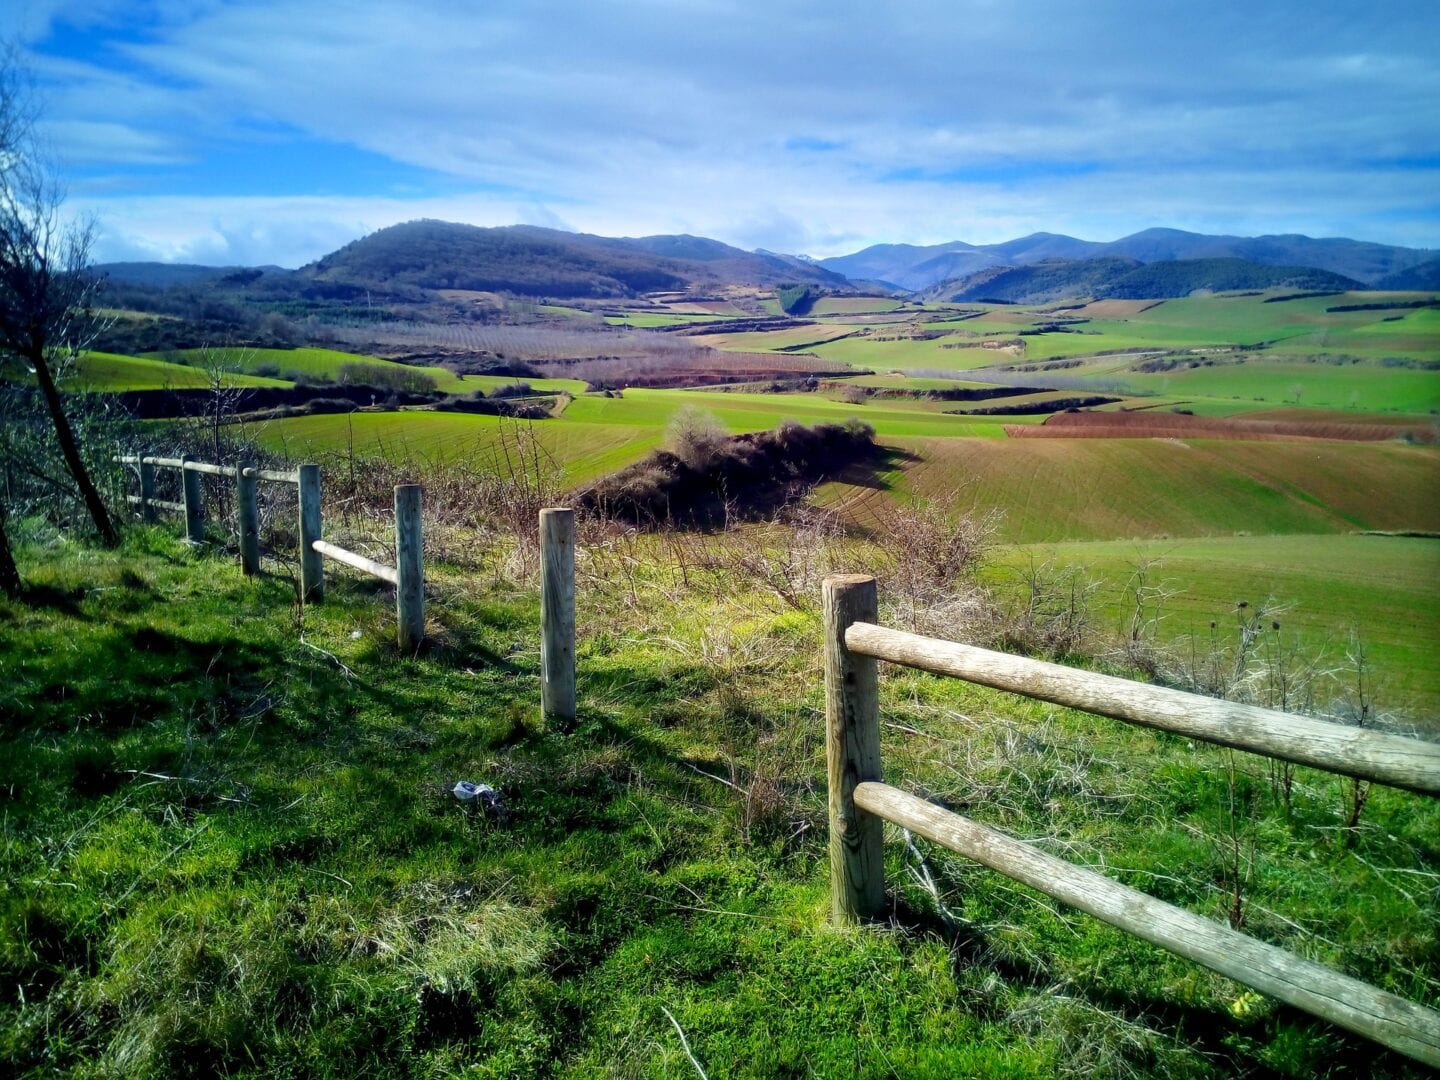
[231, 850]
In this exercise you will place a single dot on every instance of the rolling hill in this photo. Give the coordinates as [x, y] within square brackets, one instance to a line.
[533, 261]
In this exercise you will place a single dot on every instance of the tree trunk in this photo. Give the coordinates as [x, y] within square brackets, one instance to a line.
[9, 573]
[71, 452]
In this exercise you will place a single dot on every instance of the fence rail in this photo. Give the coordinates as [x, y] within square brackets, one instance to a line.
[408, 576]
[557, 556]
[1370, 755]
[860, 803]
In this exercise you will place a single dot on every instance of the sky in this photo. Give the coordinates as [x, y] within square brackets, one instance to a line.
[274, 131]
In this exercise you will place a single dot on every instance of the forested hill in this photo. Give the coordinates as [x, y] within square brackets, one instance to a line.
[533, 261]
[1129, 279]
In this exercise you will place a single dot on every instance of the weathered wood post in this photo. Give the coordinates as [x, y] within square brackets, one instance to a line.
[194, 511]
[247, 518]
[410, 568]
[147, 490]
[557, 614]
[852, 753]
[312, 564]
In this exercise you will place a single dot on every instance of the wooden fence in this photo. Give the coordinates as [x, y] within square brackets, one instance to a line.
[860, 803]
[557, 557]
[408, 575]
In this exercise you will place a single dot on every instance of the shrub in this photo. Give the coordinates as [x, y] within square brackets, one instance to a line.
[389, 376]
[696, 437]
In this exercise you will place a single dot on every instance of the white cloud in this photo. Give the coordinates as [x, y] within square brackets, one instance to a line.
[676, 117]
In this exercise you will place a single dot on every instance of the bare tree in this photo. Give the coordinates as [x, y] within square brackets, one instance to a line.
[46, 287]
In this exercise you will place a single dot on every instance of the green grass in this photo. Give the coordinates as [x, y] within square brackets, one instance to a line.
[323, 362]
[853, 305]
[111, 373]
[1354, 387]
[1291, 329]
[649, 318]
[573, 451]
[775, 340]
[1104, 489]
[596, 434]
[229, 851]
[1320, 588]
[866, 352]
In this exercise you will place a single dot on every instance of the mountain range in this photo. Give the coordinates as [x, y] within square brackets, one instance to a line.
[1112, 277]
[527, 260]
[913, 268]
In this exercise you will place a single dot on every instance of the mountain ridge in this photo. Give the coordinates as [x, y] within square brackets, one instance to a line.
[916, 268]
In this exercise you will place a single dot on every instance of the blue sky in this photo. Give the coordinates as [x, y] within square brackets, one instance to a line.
[273, 131]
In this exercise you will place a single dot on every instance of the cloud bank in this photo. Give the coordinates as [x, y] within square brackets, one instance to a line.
[273, 131]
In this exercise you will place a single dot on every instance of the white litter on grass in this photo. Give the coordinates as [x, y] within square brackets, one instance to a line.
[465, 791]
[354, 635]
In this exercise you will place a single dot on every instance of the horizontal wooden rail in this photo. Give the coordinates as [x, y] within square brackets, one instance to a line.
[208, 469]
[1392, 1021]
[272, 476]
[859, 803]
[360, 562]
[140, 500]
[1412, 764]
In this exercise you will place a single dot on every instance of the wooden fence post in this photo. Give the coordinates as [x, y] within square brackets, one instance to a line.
[852, 753]
[557, 614]
[194, 511]
[147, 490]
[312, 564]
[247, 519]
[410, 568]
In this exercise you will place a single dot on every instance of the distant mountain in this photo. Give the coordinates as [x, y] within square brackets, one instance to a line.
[1425, 276]
[168, 275]
[533, 261]
[1043, 245]
[895, 264]
[1114, 277]
[1356, 259]
[918, 268]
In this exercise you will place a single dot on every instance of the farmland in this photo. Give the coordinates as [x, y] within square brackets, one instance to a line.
[1321, 589]
[255, 807]
[1097, 489]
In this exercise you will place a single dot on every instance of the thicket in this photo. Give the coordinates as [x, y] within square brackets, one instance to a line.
[709, 477]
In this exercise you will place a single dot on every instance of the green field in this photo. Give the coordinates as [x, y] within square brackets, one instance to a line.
[853, 305]
[1319, 588]
[322, 362]
[112, 373]
[650, 318]
[597, 434]
[573, 452]
[1106, 489]
[1364, 387]
[1291, 333]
